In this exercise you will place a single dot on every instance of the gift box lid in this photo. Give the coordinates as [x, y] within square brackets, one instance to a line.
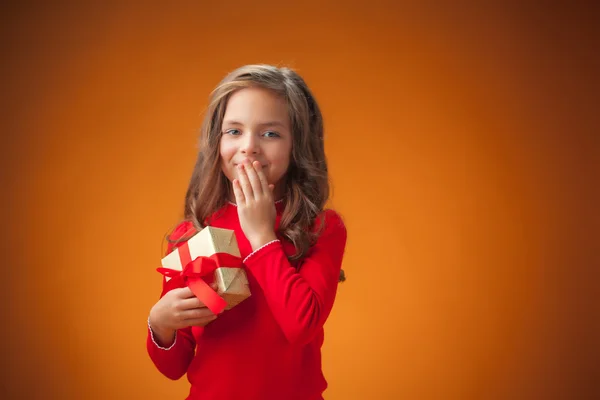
[207, 242]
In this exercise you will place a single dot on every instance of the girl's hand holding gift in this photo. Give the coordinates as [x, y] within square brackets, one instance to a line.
[255, 204]
[177, 309]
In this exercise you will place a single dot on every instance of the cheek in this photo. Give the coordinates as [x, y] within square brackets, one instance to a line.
[226, 151]
[280, 164]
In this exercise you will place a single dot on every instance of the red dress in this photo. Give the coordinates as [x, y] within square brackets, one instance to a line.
[268, 346]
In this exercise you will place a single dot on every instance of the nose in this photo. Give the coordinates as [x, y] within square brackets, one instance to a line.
[250, 144]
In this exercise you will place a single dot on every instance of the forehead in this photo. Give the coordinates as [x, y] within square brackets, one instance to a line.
[256, 105]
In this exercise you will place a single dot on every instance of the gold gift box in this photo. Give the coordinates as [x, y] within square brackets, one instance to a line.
[232, 283]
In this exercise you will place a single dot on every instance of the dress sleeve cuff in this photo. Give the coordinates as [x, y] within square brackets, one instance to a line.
[259, 249]
[154, 340]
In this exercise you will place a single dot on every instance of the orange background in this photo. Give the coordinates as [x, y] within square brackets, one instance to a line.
[460, 152]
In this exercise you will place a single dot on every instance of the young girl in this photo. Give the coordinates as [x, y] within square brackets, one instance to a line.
[261, 172]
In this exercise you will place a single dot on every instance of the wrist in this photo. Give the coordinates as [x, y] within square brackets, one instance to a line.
[163, 333]
[158, 329]
[162, 338]
[259, 241]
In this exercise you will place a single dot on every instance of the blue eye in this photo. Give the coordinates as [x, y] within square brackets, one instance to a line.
[271, 134]
[232, 131]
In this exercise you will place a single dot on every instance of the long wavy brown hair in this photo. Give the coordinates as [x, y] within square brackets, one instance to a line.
[306, 181]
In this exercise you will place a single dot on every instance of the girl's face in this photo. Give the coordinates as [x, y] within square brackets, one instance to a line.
[256, 127]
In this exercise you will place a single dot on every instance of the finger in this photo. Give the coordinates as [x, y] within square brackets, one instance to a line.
[191, 303]
[195, 302]
[238, 192]
[245, 183]
[183, 293]
[271, 187]
[197, 313]
[262, 178]
[254, 179]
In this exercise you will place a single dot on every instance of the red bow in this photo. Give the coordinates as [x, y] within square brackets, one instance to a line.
[195, 272]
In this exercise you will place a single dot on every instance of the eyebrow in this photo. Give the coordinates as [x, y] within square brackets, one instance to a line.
[261, 124]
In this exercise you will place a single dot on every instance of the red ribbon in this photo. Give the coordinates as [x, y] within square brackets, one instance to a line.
[196, 272]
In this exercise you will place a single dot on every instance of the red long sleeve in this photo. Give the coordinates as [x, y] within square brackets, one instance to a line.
[174, 362]
[301, 301]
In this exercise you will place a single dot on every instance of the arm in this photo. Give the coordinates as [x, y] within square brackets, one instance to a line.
[301, 300]
[173, 358]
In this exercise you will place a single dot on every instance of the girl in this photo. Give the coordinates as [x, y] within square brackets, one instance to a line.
[261, 171]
